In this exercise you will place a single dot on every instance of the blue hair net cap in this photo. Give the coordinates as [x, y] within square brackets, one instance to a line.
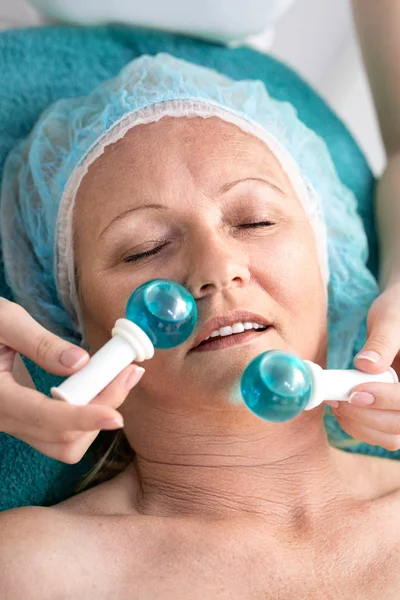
[42, 175]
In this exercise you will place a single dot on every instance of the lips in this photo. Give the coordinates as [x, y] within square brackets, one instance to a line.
[229, 319]
[229, 341]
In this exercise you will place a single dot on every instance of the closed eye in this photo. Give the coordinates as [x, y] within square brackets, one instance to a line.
[137, 257]
[154, 251]
[259, 224]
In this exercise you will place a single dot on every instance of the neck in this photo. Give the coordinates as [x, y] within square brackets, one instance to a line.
[237, 468]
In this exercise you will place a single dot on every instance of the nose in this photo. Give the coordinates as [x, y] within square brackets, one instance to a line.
[216, 264]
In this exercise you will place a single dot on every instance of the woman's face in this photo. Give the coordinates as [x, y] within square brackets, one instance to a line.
[202, 203]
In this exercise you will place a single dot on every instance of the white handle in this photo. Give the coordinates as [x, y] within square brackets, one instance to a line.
[337, 384]
[128, 344]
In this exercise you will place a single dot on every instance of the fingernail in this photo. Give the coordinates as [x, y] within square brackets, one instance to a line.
[134, 377]
[116, 423]
[373, 357]
[73, 357]
[361, 398]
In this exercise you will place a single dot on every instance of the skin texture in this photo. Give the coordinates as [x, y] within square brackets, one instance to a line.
[183, 397]
[250, 509]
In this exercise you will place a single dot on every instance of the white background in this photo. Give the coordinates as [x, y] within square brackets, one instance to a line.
[316, 37]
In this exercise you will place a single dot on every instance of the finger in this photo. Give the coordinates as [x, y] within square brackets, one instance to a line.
[112, 395]
[64, 452]
[19, 331]
[22, 430]
[332, 403]
[383, 341]
[109, 396]
[386, 421]
[376, 395]
[31, 408]
[371, 436]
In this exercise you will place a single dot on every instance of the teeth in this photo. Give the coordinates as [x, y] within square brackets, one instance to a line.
[235, 328]
[226, 330]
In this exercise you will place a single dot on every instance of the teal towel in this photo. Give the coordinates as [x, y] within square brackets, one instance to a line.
[39, 66]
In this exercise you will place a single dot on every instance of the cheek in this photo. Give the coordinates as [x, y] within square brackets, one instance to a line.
[289, 270]
[102, 304]
[290, 261]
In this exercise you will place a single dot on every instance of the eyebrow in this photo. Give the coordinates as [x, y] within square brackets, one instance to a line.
[225, 188]
[131, 210]
[228, 186]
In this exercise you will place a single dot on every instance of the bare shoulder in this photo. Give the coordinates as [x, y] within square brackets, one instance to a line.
[48, 553]
[19, 524]
[74, 549]
[28, 540]
[371, 478]
[385, 473]
[118, 496]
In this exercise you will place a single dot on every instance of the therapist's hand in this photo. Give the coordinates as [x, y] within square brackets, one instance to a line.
[55, 428]
[373, 415]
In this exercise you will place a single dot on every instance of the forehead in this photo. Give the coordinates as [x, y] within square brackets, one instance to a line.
[182, 133]
[201, 147]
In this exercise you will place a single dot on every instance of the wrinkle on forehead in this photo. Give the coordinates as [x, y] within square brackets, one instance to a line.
[192, 143]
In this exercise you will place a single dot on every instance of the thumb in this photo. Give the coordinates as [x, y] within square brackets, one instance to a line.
[382, 344]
